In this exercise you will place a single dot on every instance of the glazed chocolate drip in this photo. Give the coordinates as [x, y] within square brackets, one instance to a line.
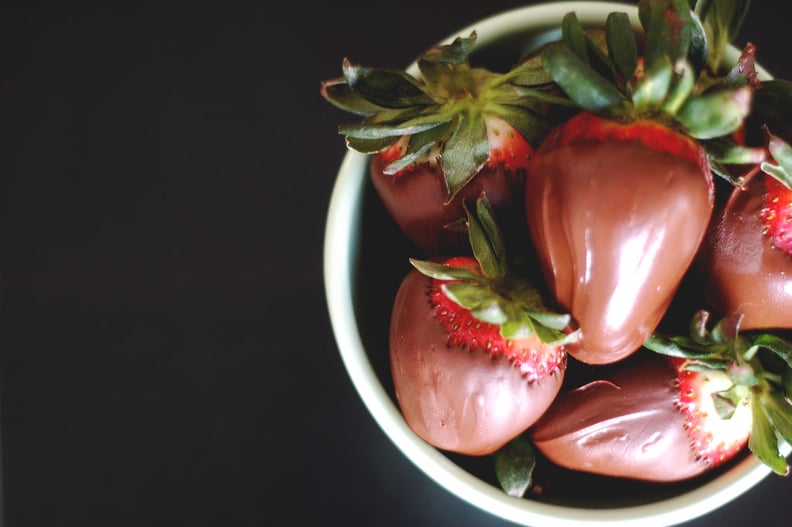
[743, 271]
[616, 226]
[417, 202]
[457, 399]
[625, 425]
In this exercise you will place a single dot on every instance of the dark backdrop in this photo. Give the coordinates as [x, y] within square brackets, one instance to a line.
[166, 352]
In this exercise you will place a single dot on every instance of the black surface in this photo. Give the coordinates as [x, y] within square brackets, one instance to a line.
[166, 353]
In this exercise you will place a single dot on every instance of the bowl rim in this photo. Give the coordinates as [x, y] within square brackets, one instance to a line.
[339, 269]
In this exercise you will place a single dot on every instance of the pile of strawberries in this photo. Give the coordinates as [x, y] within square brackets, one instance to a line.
[617, 205]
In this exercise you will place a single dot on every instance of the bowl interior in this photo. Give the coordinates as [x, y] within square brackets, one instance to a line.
[365, 261]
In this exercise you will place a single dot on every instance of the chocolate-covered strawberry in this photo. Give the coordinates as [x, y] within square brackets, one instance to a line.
[671, 418]
[746, 260]
[444, 136]
[475, 356]
[619, 197]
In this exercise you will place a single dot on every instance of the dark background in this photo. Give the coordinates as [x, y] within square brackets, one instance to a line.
[166, 352]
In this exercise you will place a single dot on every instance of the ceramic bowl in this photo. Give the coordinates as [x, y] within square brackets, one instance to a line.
[360, 236]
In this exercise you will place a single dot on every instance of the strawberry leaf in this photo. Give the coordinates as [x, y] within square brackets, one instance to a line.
[726, 151]
[573, 36]
[529, 72]
[478, 299]
[485, 240]
[457, 52]
[764, 442]
[722, 20]
[465, 152]
[552, 320]
[780, 347]
[742, 374]
[715, 114]
[514, 466]
[652, 88]
[668, 28]
[338, 93]
[445, 272]
[380, 131]
[385, 87]
[726, 403]
[682, 87]
[779, 410]
[781, 153]
[581, 83]
[786, 383]
[622, 46]
[370, 146]
[698, 48]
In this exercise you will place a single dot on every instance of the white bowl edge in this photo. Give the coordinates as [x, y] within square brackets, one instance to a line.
[339, 272]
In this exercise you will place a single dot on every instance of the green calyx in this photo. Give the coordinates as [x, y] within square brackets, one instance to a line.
[444, 109]
[781, 153]
[760, 368]
[497, 295]
[673, 79]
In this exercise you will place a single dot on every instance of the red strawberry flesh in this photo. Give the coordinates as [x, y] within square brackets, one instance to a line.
[777, 214]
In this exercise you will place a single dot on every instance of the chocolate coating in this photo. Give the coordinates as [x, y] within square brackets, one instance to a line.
[457, 399]
[743, 271]
[417, 202]
[625, 425]
[616, 225]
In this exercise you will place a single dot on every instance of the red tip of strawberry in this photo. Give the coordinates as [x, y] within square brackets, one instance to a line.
[777, 214]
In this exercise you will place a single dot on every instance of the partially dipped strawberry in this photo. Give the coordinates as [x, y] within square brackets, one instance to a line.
[746, 259]
[444, 136]
[619, 197]
[671, 418]
[475, 356]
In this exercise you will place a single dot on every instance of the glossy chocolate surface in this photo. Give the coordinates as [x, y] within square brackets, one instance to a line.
[417, 201]
[624, 425]
[457, 399]
[616, 226]
[743, 271]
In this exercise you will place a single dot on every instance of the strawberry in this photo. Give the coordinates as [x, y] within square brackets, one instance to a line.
[746, 259]
[444, 136]
[674, 417]
[475, 356]
[619, 197]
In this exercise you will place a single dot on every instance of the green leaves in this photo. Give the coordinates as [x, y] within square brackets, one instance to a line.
[466, 151]
[764, 441]
[758, 364]
[721, 20]
[496, 295]
[514, 466]
[444, 111]
[669, 26]
[716, 113]
[781, 152]
[622, 46]
[385, 87]
[581, 83]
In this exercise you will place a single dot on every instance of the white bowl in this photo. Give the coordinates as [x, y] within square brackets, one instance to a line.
[360, 314]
